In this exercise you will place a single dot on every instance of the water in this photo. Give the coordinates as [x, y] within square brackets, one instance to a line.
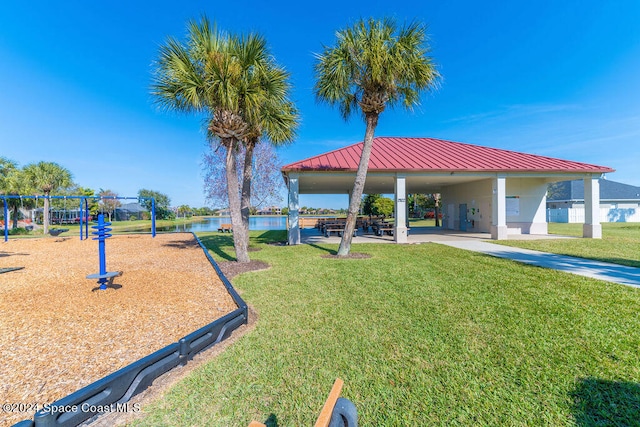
[213, 223]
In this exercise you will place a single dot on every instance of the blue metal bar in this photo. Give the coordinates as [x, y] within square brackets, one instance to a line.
[86, 210]
[153, 217]
[81, 213]
[86, 225]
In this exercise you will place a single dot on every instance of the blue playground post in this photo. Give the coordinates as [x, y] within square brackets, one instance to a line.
[153, 217]
[86, 218]
[102, 233]
[81, 218]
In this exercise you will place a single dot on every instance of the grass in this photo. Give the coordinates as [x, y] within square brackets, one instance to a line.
[422, 335]
[620, 243]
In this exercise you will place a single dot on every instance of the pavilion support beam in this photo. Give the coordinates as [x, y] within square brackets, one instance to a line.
[592, 227]
[293, 229]
[499, 209]
[400, 231]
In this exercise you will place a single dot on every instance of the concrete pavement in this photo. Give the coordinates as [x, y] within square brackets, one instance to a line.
[609, 272]
[477, 242]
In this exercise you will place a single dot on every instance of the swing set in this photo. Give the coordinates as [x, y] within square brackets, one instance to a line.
[80, 215]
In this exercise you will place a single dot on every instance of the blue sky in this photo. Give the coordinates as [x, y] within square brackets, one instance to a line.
[555, 78]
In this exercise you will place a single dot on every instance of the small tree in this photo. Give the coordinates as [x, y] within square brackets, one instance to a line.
[383, 206]
[15, 184]
[184, 210]
[6, 167]
[266, 183]
[108, 202]
[162, 203]
[368, 207]
[47, 177]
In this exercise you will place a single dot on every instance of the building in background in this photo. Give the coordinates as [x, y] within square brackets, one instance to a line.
[618, 202]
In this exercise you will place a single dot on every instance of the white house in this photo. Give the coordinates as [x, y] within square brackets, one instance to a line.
[618, 202]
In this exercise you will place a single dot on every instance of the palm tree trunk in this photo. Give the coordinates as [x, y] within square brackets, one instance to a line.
[358, 185]
[240, 235]
[15, 217]
[45, 214]
[247, 173]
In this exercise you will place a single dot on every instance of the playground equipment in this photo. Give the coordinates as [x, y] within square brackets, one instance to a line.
[105, 278]
[8, 269]
[83, 211]
[57, 231]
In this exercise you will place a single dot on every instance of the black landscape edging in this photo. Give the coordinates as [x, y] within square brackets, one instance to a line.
[111, 393]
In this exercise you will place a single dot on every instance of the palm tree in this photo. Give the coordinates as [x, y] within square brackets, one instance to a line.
[17, 184]
[184, 210]
[232, 80]
[9, 182]
[373, 65]
[276, 117]
[47, 177]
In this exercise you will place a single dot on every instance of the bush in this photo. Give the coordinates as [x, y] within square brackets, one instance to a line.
[19, 231]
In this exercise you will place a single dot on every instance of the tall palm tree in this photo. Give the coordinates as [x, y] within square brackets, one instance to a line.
[276, 117]
[373, 65]
[228, 79]
[201, 76]
[47, 177]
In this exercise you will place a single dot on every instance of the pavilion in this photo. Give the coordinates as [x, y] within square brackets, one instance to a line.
[482, 189]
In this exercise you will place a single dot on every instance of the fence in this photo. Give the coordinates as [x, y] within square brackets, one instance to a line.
[576, 215]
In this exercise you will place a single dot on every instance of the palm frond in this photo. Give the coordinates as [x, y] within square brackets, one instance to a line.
[376, 61]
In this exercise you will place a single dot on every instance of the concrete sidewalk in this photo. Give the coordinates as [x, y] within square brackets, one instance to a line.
[584, 267]
[478, 242]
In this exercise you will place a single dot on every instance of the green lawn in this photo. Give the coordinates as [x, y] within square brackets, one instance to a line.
[620, 243]
[422, 335]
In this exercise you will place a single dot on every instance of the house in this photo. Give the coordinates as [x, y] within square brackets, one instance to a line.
[270, 210]
[618, 202]
[130, 211]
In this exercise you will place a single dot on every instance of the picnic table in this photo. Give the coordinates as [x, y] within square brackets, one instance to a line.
[337, 228]
[225, 228]
[380, 228]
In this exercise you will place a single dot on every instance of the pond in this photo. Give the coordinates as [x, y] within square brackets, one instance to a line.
[213, 223]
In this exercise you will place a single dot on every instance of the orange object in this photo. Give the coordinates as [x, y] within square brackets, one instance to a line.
[325, 415]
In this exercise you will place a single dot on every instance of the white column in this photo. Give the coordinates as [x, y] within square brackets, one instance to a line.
[400, 232]
[294, 207]
[499, 209]
[591, 227]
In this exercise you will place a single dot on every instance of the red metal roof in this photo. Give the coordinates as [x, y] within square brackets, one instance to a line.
[430, 154]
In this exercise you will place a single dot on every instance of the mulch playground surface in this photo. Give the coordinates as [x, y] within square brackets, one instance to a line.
[59, 334]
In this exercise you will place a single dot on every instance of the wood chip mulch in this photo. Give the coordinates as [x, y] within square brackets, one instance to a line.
[58, 335]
